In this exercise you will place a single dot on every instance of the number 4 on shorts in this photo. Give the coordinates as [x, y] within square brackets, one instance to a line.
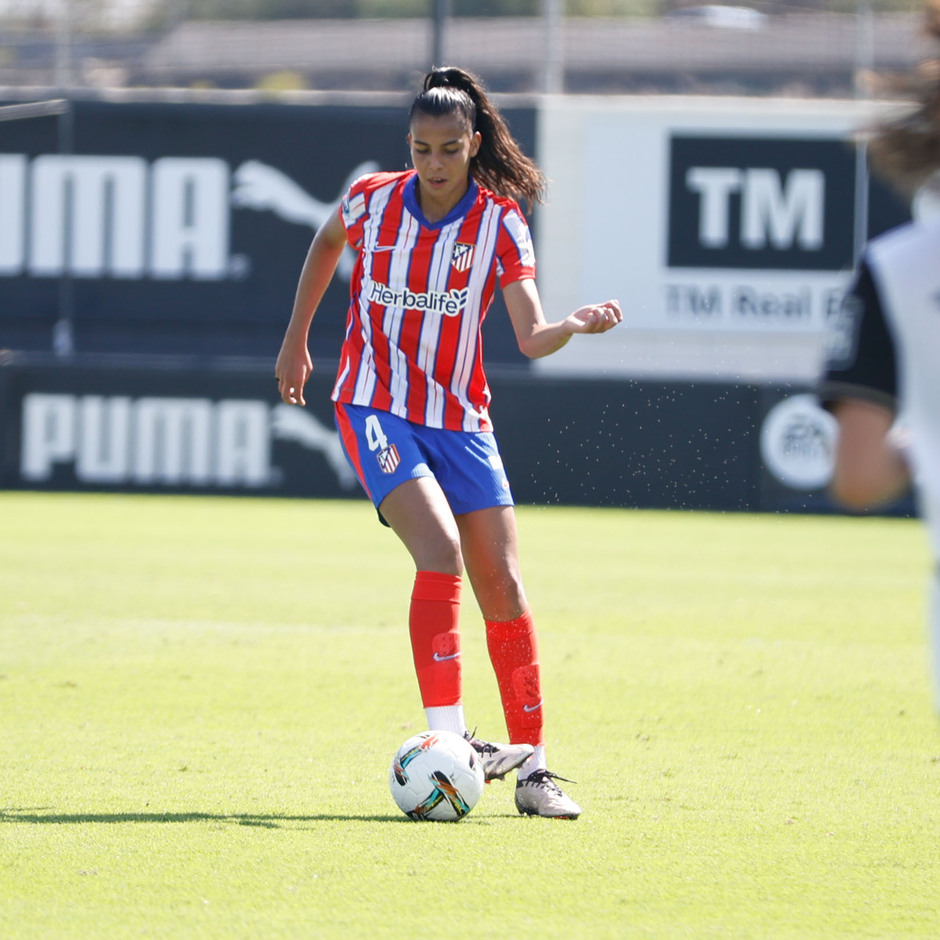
[385, 453]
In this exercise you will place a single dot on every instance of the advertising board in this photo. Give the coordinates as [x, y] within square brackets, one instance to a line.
[728, 229]
[180, 229]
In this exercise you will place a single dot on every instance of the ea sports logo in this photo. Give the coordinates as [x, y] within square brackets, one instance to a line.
[797, 443]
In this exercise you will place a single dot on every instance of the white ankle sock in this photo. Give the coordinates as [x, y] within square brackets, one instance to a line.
[535, 762]
[446, 718]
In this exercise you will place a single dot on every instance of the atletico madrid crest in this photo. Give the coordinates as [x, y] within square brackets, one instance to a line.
[388, 458]
[463, 256]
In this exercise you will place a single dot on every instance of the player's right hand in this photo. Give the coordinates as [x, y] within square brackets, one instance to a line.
[292, 370]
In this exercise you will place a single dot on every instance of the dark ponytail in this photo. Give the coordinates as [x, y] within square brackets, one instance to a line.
[500, 164]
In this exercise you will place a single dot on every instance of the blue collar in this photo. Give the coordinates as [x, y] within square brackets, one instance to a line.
[410, 197]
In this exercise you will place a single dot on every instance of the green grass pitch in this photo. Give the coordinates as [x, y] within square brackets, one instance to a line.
[199, 699]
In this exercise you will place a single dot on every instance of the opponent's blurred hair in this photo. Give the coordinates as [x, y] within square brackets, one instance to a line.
[906, 149]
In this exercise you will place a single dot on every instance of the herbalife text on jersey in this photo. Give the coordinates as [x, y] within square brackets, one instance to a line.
[449, 304]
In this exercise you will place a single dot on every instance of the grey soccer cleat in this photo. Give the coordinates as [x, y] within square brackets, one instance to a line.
[499, 759]
[539, 795]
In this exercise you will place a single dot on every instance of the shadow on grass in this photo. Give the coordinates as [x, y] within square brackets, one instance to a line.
[41, 816]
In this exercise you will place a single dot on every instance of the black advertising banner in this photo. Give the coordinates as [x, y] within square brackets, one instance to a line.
[180, 229]
[651, 445]
[768, 203]
[643, 444]
[169, 430]
[225, 431]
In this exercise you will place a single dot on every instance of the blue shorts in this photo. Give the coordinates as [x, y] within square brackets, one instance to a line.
[386, 450]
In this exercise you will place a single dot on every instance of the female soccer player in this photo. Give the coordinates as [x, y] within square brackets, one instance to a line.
[892, 368]
[411, 398]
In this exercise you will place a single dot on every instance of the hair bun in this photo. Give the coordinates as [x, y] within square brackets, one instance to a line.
[448, 77]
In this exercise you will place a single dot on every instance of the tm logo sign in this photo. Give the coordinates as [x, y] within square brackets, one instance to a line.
[760, 203]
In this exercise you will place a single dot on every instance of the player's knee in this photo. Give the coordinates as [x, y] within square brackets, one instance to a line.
[441, 552]
[501, 596]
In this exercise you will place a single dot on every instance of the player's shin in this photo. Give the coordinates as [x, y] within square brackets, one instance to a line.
[513, 652]
[435, 642]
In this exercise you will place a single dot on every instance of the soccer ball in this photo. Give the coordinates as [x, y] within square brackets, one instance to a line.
[436, 775]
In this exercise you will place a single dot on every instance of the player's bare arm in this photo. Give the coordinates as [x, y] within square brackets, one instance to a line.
[870, 469]
[294, 365]
[536, 337]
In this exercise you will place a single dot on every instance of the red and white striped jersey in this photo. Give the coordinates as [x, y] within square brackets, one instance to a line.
[418, 296]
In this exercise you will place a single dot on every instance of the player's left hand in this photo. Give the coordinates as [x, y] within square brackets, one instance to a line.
[596, 318]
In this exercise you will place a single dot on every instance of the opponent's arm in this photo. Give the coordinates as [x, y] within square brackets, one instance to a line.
[536, 337]
[294, 365]
[870, 469]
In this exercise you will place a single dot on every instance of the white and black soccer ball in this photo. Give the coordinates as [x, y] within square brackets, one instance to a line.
[436, 775]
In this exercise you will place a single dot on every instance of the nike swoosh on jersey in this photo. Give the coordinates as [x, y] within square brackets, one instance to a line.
[532, 708]
[443, 659]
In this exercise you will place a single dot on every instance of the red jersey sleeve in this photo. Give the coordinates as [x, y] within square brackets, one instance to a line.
[354, 209]
[515, 256]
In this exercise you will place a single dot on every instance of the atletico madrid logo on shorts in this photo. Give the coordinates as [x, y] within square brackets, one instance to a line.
[463, 256]
[388, 458]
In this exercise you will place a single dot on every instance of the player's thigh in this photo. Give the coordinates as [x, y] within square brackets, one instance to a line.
[421, 517]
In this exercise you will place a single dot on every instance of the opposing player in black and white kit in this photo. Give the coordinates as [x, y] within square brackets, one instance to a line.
[885, 390]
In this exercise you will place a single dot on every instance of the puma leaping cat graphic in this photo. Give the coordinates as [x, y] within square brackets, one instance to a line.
[266, 189]
[289, 423]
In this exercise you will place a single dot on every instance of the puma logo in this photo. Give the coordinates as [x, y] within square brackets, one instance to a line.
[266, 189]
[289, 423]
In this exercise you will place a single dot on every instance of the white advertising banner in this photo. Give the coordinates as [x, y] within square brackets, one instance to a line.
[726, 227]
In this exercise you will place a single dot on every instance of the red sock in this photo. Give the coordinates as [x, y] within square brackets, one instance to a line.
[515, 657]
[435, 640]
